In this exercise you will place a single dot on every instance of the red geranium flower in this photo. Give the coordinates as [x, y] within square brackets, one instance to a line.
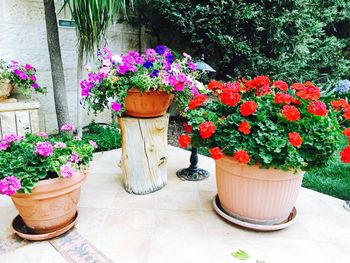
[295, 139]
[241, 156]
[235, 86]
[187, 128]
[263, 90]
[248, 107]
[257, 82]
[184, 140]
[317, 108]
[298, 86]
[214, 84]
[347, 113]
[339, 104]
[345, 155]
[346, 132]
[283, 98]
[197, 101]
[244, 127]
[291, 113]
[216, 153]
[230, 97]
[207, 129]
[280, 85]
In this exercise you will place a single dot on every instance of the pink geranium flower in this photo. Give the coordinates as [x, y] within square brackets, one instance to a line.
[9, 185]
[44, 149]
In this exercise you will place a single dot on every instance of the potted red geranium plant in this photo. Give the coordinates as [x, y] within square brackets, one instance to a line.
[263, 135]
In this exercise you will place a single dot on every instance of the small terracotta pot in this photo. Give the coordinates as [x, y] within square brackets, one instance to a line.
[6, 89]
[52, 205]
[255, 195]
[147, 104]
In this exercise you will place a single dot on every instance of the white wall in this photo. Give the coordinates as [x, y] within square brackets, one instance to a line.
[23, 38]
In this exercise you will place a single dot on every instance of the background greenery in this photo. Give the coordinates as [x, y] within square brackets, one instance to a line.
[293, 40]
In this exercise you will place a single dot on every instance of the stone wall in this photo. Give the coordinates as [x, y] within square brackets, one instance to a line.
[23, 38]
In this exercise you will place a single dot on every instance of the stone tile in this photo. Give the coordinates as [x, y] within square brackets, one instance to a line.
[36, 252]
[174, 223]
[91, 221]
[5, 201]
[206, 200]
[7, 214]
[124, 200]
[96, 199]
[133, 222]
[178, 200]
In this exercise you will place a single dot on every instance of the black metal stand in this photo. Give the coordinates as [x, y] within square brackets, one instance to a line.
[193, 173]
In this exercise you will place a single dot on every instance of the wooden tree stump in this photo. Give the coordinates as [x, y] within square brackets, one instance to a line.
[144, 153]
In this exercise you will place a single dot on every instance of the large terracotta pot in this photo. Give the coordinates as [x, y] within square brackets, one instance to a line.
[147, 104]
[6, 89]
[255, 195]
[52, 205]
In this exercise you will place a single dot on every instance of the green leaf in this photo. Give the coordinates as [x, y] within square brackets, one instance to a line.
[240, 254]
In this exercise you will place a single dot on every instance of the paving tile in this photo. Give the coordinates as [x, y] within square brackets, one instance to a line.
[124, 200]
[178, 200]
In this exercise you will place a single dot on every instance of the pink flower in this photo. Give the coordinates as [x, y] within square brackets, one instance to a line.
[3, 146]
[116, 106]
[68, 127]
[28, 67]
[11, 138]
[67, 171]
[9, 185]
[33, 78]
[44, 149]
[74, 158]
[106, 62]
[60, 145]
[43, 135]
[93, 144]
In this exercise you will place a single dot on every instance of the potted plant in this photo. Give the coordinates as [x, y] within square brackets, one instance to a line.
[43, 176]
[14, 74]
[263, 136]
[143, 85]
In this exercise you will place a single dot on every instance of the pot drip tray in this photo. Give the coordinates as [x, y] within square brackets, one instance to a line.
[289, 221]
[19, 228]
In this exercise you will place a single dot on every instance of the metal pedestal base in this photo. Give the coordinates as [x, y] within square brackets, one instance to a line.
[188, 174]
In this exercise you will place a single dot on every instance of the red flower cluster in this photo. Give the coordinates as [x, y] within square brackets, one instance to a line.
[241, 156]
[207, 129]
[197, 101]
[307, 91]
[230, 97]
[291, 113]
[187, 128]
[295, 139]
[216, 153]
[235, 86]
[244, 127]
[345, 155]
[280, 85]
[248, 108]
[340, 104]
[214, 84]
[261, 84]
[318, 108]
[346, 132]
[184, 140]
[347, 113]
[283, 98]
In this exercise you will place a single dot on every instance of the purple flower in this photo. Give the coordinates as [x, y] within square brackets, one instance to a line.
[28, 67]
[21, 74]
[161, 49]
[67, 171]
[14, 64]
[60, 145]
[44, 149]
[33, 78]
[35, 85]
[43, 135]
[9, 185]
[147, 64]
[68, 127]
[116, 106]
[86, 86]
[74, 158]
[93, 144]
[4, 146]
[169, 58]
[154, 73]
[11, 138]
[191, 65]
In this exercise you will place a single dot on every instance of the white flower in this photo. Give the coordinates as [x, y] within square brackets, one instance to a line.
[117, 58]
[200, 86]
[88, 68]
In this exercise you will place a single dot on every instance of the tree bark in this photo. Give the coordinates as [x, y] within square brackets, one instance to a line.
[144, 153]
[57, 73]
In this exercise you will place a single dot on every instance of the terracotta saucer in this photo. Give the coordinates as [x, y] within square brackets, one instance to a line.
[19, 228]
[290, 220]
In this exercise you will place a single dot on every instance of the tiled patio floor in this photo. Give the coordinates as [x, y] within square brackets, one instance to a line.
[177, 224]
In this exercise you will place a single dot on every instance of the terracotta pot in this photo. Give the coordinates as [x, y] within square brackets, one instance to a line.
[147, 104]
[254, 195]
[52, 205]
[6, 89]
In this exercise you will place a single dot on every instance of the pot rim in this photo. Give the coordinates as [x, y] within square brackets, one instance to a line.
[136, 90]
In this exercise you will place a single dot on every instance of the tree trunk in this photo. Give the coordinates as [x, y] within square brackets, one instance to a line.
[59, 86]
[144, 153]
[79, 78]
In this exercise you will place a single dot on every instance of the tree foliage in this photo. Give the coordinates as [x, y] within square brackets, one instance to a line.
[294, 40]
